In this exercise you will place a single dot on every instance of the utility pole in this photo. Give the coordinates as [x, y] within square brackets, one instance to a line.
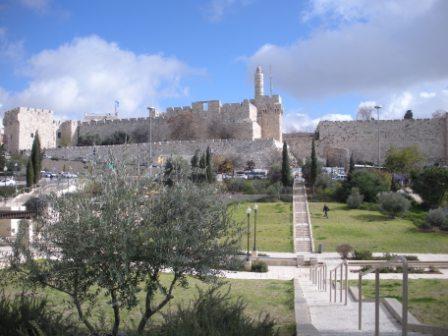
[151, 112]
[377, 108]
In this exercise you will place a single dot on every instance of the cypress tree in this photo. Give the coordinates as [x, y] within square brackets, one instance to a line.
[202, 162]
[286, 169]
[351, 168]
[36, 158]
[209, 167]
[29, 173]
[313, 170]
[195, 159]
[2, 157]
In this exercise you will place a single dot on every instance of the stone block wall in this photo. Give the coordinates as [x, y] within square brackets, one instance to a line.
[299, 144]
[21, 125]
[260, 150]
[203, 120]
[361, 137]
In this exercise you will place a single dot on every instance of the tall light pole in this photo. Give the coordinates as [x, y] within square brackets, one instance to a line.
[254, 252]
[151, 111]
[377, 108]
[248, 211]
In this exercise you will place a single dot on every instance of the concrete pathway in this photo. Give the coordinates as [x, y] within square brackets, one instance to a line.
[337, 318]
[303, 237]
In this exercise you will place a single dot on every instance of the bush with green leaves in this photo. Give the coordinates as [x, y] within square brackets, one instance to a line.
[437, 217]
[274, 190]
[362, 255]
[370, 183]
[393, 204]
[25, 314]
[354, 200]
[259, 266]
[432, 185]
[214, 313]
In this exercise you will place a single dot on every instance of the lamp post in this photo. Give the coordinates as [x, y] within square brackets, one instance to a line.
[248, 211]
[377, 108]
[254, 251]
[151, 112]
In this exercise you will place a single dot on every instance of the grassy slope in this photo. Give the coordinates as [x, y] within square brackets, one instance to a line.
[428, 299]
[369, 229]
[262, 296]
[274, 225]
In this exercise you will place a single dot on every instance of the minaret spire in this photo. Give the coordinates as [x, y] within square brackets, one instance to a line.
[259, 82]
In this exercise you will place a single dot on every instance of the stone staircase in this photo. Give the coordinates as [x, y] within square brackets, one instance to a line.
[337, 319]
[303, 240]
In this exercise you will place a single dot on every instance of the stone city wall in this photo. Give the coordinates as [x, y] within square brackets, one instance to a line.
[259, 150]
[361, 137]
[21, 125]
[299, 144]
[202, 120]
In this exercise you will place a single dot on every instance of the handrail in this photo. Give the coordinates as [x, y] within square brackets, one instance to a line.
[343, 283]
[318, 276]
[376, 268]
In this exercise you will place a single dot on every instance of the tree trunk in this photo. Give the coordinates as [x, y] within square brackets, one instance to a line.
[116, 309]
[82, 317]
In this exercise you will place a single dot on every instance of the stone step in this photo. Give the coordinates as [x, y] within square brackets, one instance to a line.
[364, 333]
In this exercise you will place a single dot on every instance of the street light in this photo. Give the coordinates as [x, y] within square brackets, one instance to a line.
[151, 112]
[255, 229]
[248, 211]
[377, 108]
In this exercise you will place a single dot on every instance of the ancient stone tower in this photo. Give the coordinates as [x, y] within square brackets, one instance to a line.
[269, 109]
[259, 82]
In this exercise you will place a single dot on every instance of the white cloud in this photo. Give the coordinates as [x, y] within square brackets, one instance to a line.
[422, 103]
[37, 5]
[301, 122]
[425, 94]
[215, 10]
[377, 47]
[88, 74]
[10, 50]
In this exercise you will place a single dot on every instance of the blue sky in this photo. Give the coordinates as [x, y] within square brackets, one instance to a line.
[328, 58]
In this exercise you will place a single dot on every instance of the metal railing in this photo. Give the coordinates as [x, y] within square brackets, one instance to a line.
[318, 276]
[343, 283]
[404, 303]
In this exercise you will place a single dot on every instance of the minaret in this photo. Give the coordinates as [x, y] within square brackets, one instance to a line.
[259, 82]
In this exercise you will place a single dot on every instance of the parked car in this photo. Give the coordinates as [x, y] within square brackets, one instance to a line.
[8, 182]
[68, 175]
[241, 176]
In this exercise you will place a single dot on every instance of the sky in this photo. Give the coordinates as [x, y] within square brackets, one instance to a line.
[328, 59]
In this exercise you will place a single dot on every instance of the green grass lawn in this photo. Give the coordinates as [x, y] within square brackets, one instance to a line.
[274, 225]
[262, 296]
[371, 230]
[428, 298]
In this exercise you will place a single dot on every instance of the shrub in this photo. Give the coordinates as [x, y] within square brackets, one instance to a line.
[393, 204]
[215, 313]
[354, 200]
[259, 266]
[362, 255]
[425, 226]
[26, 315]
[437, 217]
[370, 183]
[344, 250]
[7, 192]
[432, 185]
[274, 190]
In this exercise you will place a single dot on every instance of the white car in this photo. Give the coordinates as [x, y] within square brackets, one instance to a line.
[8, 182]
[69, 175]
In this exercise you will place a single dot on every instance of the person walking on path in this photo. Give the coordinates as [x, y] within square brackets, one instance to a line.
[325, 210]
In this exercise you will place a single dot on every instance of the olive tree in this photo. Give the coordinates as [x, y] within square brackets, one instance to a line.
[118, 240]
